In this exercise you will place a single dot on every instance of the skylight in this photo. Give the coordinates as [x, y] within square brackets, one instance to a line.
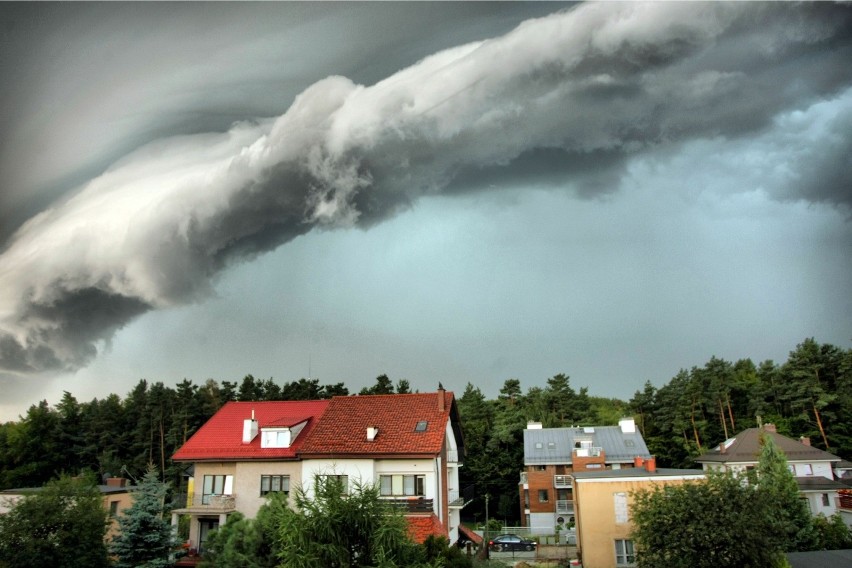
[421, 426]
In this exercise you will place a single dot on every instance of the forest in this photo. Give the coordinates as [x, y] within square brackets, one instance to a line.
[809, 394]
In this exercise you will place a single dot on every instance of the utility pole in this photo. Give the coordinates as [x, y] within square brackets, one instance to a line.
[485, 531]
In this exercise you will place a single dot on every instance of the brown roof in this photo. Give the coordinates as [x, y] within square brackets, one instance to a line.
[745, 448]
[343, 428]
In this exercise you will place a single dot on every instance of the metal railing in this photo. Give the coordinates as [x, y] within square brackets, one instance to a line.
[564, 505]
[562, 481]
[458, 499]
[412, 504]
[524, 477]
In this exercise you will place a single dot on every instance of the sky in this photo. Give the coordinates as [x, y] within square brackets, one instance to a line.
[440, 192]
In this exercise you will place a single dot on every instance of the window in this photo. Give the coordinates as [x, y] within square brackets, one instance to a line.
[216, 485]
[402, 485]
[541, 468]
[551, 445]
[342, 480]
[629, 443]
[624, 555]
[421, 426]
[621, 515]
[543, 497]
[113, 508]
[825, 499]
[274, 484]
[807, 469]
[527, 500]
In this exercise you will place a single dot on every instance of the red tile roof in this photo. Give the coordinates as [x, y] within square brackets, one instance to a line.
[221, 437]
[420, 527]
[343, 428]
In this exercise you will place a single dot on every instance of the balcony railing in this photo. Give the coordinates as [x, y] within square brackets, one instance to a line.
[452, 457]
[564, 506]
[458, 499]
[209, 504]
[411, 504]
[524, 477]
[588, 452]
[562, 481]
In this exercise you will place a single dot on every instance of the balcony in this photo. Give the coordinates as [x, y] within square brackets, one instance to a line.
[588, 452]
[453, 458]
[458, 499]
[562, 481]
[209, 505]
[411, 504]
[564, 506]
[524, 480]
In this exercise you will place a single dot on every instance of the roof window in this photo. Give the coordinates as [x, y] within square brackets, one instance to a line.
[629, 443]
[421, 426]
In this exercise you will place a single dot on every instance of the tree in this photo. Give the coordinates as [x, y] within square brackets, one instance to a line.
[63, 525]
[247, 543]
[786, 514]
[713, 523]
[145, 538]
[383, 386]
[335, 529]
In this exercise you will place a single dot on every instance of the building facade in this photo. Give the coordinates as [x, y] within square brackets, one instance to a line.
[602, 504]
[553, 455]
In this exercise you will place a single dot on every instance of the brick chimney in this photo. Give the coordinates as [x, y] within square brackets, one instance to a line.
[116, 482]
[441, 398]
[770, 428]
[805, 440]
[638, 461]
[651, 464]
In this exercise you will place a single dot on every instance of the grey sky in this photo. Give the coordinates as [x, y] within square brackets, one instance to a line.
[438, 192]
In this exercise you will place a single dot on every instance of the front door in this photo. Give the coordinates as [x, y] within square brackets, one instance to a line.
[204, 528]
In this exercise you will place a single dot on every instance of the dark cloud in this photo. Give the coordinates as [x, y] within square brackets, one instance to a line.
[563, 100]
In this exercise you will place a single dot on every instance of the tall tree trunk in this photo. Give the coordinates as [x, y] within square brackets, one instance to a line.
[730, 412]
[819, 423]
[694, 427]
[722, 418]
[162, 451]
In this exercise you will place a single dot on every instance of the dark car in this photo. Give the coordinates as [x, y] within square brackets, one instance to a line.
[507, 542]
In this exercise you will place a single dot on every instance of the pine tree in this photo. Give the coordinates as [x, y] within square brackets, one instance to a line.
[787, 514]
[145, 539]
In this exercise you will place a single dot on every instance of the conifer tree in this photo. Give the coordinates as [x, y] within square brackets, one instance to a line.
[146, 539]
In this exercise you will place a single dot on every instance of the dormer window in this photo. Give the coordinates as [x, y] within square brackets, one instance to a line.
[421, 426]
[275, 438]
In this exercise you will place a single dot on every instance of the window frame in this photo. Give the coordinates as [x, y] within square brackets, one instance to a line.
[546, 494]
[402, 485]
[623, 556]
[281, 478]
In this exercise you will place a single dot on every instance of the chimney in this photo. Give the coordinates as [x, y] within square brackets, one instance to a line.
[805, 440]
[372, 432]
[116, 482]
[638, 461]
[533, 425]
[249, 429]
[627, 425]
[651, 464]
[770, 428]
[441, 398]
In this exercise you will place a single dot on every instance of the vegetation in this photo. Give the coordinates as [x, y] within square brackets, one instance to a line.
[727, 520]
[145, 538]
[338, 526]
[248, 543]
[62, 525]
[810, 394]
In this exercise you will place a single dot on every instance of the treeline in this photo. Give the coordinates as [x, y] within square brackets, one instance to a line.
[119, 437]
[808, 395]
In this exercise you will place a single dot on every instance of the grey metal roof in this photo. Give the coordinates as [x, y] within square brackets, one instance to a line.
[821, 559]
[557, 444]
[639, 472]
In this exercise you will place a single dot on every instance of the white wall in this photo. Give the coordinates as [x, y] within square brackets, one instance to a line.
[816, 506]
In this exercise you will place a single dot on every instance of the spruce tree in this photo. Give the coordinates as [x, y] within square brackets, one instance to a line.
[145, 539]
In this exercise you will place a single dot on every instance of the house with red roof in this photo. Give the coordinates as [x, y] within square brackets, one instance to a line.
[410, 445]
[244, 452]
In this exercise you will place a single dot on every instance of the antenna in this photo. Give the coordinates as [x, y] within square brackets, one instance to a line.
[309, 366]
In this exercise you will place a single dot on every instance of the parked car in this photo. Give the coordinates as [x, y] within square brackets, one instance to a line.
[507, 542]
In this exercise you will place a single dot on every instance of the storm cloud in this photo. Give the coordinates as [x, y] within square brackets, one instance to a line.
[564, 100]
